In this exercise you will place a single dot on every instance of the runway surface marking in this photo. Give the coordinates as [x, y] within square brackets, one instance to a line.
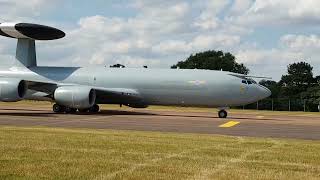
[229, 124]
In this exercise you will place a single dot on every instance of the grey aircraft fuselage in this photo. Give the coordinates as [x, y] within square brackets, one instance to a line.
[155, 86]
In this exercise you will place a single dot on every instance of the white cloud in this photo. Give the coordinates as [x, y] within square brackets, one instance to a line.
[240, 6]
[222, 41]
[291, 48]
[208, 19]
[172, 46]
[160, 17]
[301, 42]
[268, 62]
[198, 43]
[267, 56]
[101, 25]
[281, 12]
[21, 10]
[307, 9]
[306, 45]
[161, 33]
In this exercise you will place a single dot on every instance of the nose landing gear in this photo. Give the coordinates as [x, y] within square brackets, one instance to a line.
[222, 114]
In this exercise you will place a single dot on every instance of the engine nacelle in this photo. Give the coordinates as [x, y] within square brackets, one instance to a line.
[80, 97]
[12, 90]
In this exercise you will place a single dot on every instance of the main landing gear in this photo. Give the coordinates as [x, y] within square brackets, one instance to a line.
[63, 109]
[222, 114]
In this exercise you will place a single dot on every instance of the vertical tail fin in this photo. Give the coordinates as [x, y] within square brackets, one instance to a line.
[26, 53]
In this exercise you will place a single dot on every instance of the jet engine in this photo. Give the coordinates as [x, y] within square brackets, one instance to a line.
[12, 90]
[79, 97]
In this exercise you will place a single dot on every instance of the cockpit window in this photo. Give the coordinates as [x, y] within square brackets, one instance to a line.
[249, 81]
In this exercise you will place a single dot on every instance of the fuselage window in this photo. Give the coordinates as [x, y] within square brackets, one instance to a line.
[249, 82]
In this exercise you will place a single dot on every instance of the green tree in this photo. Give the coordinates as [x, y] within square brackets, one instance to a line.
[298, 79]
[317, 80]
[312, 98]
[212, 60]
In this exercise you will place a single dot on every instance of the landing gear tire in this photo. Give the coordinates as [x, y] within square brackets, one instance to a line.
[57, 108]
[222, 114]
[69, 110]
[83, 110]
[94, 109]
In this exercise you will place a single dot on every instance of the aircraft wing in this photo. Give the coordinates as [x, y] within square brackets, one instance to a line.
[46, 87]
[123, 96]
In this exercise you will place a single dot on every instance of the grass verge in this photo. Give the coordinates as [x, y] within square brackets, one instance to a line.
[51, 153]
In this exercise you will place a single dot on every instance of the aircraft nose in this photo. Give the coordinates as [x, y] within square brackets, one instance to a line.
[265, 92]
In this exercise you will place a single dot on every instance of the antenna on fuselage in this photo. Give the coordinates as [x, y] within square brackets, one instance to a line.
[26, 34]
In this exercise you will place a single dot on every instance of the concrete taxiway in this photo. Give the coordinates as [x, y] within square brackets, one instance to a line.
[278, 125]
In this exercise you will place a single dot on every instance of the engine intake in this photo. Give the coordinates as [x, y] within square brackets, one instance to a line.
[12, 90]
[80, 97]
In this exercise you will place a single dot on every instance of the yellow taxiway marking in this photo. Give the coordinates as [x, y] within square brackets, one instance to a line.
[229, 124]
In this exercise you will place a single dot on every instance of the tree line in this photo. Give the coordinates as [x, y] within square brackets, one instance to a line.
[299, 87]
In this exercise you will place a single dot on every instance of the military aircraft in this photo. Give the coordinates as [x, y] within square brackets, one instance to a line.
[77, 89]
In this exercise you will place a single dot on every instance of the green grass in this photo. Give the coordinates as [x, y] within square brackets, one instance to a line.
[48, 153]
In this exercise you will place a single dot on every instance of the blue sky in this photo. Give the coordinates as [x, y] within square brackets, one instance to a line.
[265, 35]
